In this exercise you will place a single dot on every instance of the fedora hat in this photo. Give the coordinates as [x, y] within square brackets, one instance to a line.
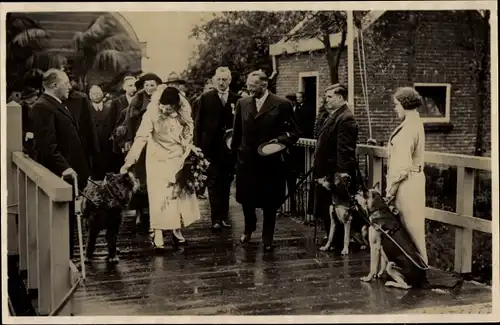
[228, 137]
[173, 78]
[270, 147]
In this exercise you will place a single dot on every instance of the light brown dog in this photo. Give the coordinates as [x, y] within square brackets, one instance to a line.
[341, 210]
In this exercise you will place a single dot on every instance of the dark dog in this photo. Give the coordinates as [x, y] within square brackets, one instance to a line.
[104, 202]
[341, 210]
[401, 261]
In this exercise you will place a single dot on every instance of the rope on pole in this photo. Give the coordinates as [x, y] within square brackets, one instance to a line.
[363, 85]
[366, 81]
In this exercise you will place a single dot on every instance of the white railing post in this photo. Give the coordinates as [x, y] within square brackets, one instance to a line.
[464, 206]
[14, 143]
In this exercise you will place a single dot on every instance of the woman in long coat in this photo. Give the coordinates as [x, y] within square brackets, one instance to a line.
[166, 130]
[405, 173]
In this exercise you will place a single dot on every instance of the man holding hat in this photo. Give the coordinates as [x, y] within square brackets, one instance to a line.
[214, 117]
[261, 178]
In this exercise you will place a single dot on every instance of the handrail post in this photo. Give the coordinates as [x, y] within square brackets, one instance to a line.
[374, 170]
[14, 143]
[464, 206]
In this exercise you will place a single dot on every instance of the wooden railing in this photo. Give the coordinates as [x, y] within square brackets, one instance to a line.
[463, 219]
[39, 200]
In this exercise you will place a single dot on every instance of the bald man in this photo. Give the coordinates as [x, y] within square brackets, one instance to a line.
[214, 116]
[261, 180]
[60, 145]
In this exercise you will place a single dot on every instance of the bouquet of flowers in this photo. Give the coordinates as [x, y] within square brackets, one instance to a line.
[192, 177]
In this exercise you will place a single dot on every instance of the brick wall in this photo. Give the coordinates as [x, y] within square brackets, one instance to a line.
[439, 57]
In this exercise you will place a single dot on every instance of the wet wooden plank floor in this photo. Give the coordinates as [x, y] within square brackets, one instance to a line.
[216, 275]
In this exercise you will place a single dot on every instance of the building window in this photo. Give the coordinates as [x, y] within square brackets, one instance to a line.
[436, 102]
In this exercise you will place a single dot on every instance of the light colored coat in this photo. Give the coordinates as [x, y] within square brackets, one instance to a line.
[406, 159]
[169, 142]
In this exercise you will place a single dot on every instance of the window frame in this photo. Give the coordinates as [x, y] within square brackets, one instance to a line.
[446, 117]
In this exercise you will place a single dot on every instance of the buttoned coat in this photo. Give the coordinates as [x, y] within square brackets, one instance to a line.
[336, 145]
[59, 140]
[261, 180]
[212, 120]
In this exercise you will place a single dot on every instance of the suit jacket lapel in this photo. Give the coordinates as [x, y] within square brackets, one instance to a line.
[267, 106]
[252, 107]
[331, 119]
[61, 107]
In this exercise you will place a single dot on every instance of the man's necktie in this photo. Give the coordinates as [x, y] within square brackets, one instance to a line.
[221, 96]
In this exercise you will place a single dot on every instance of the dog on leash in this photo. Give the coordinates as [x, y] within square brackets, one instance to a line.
[343, 210]
[398, 257]
[104, 202]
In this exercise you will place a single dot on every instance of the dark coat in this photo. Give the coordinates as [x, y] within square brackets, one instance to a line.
[59, 140]
[260, 181]
[135, 110]
[119, 104]
[105, 122]
[29, 145]
[79, 105]
[306, 116]
[212, 121]
[336, 146]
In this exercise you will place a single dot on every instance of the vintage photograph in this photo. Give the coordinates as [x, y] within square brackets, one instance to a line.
[249, 162]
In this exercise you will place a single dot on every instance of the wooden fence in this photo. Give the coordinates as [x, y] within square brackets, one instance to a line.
[463, 219]
[38, 220]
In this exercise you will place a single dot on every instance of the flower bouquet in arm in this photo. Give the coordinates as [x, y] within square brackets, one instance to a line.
[193, 175]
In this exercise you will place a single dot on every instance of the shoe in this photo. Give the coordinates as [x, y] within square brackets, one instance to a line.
[225, 224]
[178, 240]
[245, 238]
[154, 243]
[216, 226]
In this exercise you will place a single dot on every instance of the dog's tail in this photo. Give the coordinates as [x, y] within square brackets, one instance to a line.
[446, 289]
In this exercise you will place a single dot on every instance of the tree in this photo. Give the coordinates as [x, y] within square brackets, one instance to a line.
[104, 46]
[239, 40]
[475, 37]
[26, 54]
[321, 25]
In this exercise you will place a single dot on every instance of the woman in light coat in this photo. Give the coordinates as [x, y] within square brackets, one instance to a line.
[405, 172]
[167, 129]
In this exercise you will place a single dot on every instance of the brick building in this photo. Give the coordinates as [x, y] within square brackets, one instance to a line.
[62, 27]
[429, 50]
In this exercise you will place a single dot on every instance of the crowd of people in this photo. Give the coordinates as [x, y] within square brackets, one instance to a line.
[152, 127]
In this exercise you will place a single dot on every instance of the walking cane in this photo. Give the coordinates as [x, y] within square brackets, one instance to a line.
[78, 212]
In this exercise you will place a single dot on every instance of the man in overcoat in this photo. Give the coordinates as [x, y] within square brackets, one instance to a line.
[261, 180]
[60, 145]
[214, 117]
[335, 150]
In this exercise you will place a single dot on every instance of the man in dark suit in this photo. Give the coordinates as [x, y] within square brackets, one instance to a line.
[59, 142]
[78, 103]
[261, 180]
[120, 105]
[215, 116]
[104, 117]
[335, 150]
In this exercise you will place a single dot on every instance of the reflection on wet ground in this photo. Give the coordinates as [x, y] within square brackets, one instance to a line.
[216, 275]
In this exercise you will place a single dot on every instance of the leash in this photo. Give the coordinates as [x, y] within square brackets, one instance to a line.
[395, 211]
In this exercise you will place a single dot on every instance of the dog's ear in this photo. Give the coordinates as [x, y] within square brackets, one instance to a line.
[376, 187]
